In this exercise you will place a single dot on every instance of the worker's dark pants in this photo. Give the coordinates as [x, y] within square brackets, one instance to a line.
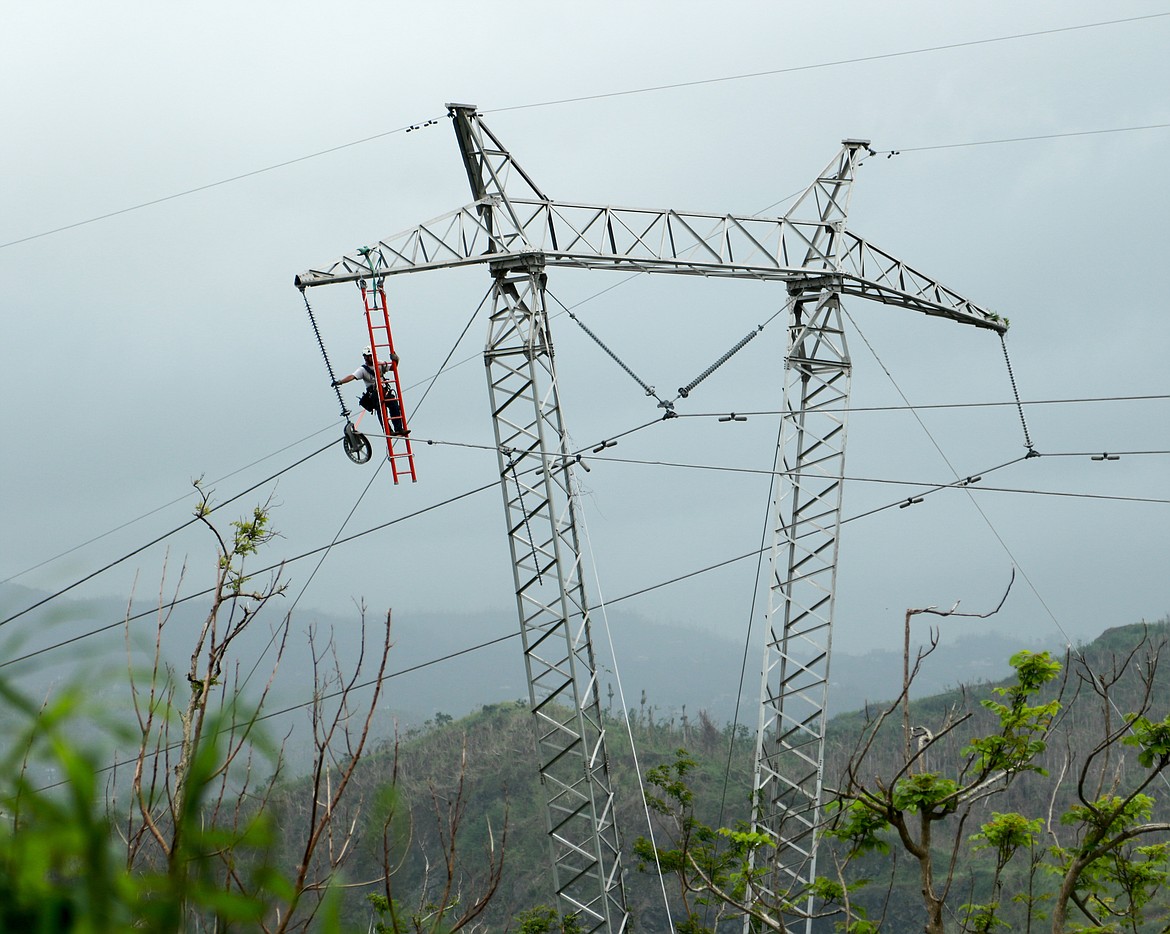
[369, 402]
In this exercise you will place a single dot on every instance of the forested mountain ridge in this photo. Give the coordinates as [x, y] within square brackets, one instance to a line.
[473, 781]
[490, 752]
[650, 653]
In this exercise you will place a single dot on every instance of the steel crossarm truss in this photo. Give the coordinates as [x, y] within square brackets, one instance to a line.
[537, 484]
[592, 236]
[511, 216]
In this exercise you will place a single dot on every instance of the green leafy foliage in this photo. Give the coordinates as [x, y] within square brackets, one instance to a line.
[927, 793]
[1006, 834]
[1006, 874]
[192, 844]
[861, 824]
[1015, 746]
[62, 865]
[59, 868]
[1152, 738]
[544, 920]
[698, 847]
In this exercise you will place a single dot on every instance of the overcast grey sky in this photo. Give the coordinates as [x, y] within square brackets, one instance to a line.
[165, 343]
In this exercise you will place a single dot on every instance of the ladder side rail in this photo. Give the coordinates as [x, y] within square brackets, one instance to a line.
[402, 440]
[370, 300]
[382, 351]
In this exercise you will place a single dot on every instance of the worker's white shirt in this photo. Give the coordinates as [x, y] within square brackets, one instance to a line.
[366, 374]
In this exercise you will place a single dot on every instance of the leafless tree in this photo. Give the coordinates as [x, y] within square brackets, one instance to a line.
[908, 672]
[1104, 872]
[443, 902]
[200, 798]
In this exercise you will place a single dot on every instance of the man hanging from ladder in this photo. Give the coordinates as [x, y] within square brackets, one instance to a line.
[369, 398]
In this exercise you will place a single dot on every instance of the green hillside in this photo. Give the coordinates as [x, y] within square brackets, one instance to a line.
[452, 812]
[492, 752]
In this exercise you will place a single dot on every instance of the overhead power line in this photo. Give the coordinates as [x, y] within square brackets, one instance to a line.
[210, 185]
[490, 642]
[256, 573]
[1023, 139]
[331, 695]
[608, 442]
[924, 490]
[648, 90]
[593, 452]
[156, 509]
[917, 406]
[165, 535]
[791, 69]
[767, 471]
[377, 528]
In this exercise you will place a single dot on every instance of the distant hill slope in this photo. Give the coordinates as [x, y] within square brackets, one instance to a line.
[680, 689]
[501, 781]
[455, 663]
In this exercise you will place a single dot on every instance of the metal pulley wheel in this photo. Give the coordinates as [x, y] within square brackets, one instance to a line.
[357, 445]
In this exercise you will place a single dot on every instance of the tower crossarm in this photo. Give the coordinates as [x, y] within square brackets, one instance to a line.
[461, 238]
[870, 272]
[591, 236]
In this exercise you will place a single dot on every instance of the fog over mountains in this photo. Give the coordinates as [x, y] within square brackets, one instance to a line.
[456, 663]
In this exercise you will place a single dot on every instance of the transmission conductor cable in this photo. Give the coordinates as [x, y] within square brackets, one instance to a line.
[625, 710]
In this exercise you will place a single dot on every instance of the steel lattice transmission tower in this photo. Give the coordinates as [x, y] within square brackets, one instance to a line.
[518, 232]
[806, 516]
[539, 506]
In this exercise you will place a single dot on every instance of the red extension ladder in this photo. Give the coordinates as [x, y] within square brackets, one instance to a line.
[398, 449]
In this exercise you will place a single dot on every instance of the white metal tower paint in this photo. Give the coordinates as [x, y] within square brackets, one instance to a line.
[806, 523]
[540, 509]
[518, 232]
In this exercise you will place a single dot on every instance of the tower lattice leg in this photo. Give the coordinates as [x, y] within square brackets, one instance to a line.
[554, 620]
[807, 512]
